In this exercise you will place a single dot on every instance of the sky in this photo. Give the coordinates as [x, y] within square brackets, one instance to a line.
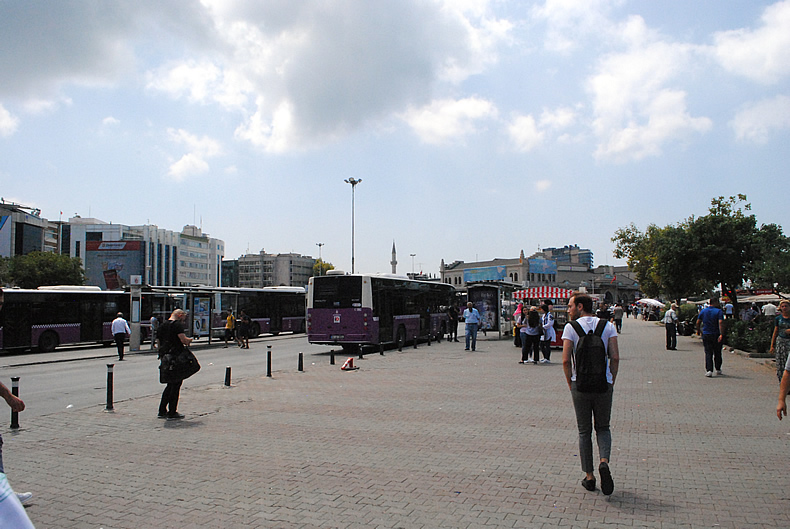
[479, 128]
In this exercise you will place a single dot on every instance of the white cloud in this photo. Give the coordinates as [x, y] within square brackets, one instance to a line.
[757, 121]
[8, 123]
[557, 119]
[761, 54]
[446, 120]
[636, 111]
[309, 72]
[524, 133]
[109, 121]
[568, 22]
[195, 161]
[542, 185]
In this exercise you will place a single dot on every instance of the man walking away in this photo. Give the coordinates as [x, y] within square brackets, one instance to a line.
[710, 325]
[591, 384]
[472, 319]
[670, 323]
[120, 330]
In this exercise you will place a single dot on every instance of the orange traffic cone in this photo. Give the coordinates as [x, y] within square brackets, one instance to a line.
[349, 365]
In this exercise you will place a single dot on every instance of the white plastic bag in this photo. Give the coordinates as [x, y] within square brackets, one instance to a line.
[12, 514]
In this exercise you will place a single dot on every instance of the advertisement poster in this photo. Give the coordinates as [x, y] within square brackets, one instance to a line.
[542, 266]
[201, 317]
[109, 264]
[486, 301]
[487, 273]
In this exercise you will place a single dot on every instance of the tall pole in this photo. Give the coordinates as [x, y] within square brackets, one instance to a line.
[320, 261]
[353, 183]
[412, 263]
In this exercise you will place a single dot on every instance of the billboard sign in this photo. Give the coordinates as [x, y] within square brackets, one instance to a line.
[486, 273]
[543, 266]
[110, 264]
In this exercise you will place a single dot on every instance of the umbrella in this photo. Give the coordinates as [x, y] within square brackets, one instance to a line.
[651, 302]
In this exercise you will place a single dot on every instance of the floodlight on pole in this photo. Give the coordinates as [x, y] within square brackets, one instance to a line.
[353, 183]
[320, 261]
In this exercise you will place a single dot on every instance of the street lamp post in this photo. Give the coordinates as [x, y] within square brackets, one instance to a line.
[353, 183]
[412, 263]
[320, 261]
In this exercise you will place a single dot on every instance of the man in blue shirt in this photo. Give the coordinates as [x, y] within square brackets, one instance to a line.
[710, 324]
[472, 320]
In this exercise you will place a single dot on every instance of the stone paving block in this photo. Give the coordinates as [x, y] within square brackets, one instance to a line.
[421, 437]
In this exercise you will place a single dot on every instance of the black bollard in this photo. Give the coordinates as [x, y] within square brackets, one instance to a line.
[15, 392]
[109, 388]
[429, 340]
[331, 357]
[301, 362]
[227, 376]
[268, 360]
[361, 356]
[415, 342]
[381, 349]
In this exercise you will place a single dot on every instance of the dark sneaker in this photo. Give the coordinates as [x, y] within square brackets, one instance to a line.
[607, 485]
[174, 415]
[162, 415]
[588, 484]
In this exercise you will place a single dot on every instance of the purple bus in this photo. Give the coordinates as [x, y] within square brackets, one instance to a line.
[375, 309]
[52, 316]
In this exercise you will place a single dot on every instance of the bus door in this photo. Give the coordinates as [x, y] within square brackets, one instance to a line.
[382, 308]
[16, 329]
[91, 318]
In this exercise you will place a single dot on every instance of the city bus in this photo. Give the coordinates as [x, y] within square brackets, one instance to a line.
[272, 310]
[51, 316]
[374, 309]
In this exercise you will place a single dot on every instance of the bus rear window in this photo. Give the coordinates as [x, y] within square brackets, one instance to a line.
[337, 292]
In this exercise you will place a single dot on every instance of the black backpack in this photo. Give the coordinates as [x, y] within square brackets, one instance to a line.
[590, 359]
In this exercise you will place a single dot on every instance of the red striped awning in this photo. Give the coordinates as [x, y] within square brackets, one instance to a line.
[543, 293]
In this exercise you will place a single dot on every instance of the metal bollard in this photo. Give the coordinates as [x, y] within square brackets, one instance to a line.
[381, 349]
[227, 376]
[429, 340]
[331, 357]
[109, 388]
[15, 392]
[301, 362]
[361, 356]
[268, 360]
[415, 342]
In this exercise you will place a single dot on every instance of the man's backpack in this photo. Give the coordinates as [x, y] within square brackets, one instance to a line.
[589, 358]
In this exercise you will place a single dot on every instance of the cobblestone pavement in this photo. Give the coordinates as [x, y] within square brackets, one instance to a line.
[433, 437]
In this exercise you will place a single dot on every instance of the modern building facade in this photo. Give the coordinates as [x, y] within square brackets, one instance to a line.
[111, 253]
[22, 230]
[265, 270]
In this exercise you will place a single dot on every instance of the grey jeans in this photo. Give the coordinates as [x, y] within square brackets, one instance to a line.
[593, 408]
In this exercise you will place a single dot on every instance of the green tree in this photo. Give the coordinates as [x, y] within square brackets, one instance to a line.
[724, 247]
[5, 276]
[44, 268]
[320, 267]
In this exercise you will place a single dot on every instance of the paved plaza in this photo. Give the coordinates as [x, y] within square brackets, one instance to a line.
[433, 437]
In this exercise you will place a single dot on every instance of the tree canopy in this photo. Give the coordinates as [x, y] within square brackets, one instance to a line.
[724, 247]
[320, 267]
[44, 268]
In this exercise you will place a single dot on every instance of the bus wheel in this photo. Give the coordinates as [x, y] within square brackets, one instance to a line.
[47, 342]
[400, 340]
[255, 330]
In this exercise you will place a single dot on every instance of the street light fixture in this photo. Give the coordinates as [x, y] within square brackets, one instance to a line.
[412, 263]
[320, 261]
[353, 183]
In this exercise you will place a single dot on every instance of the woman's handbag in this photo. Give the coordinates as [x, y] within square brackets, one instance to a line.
[178, 367]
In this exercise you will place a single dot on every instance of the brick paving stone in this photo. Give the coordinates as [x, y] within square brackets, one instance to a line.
[432, 437]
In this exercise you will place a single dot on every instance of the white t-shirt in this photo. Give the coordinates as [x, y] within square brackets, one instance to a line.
[589, 323]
